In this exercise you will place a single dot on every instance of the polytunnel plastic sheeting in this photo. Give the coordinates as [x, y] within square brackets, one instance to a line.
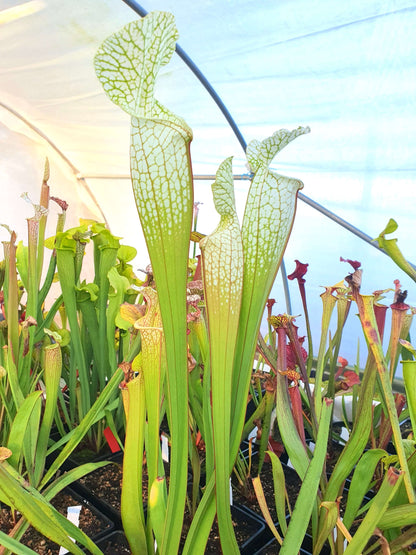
[345, 69]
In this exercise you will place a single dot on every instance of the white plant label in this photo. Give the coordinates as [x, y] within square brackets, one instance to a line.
[165, 448]
[72, 515]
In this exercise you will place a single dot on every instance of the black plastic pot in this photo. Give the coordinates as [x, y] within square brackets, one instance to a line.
[92, 521]
[114, 544]
[98, 496]
[98, 484]
[255, 524]
[108, 523]
[272, 547]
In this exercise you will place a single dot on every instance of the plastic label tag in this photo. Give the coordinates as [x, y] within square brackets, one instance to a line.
[111, 440]
[165, 448]
[73, 516]
[253, 434]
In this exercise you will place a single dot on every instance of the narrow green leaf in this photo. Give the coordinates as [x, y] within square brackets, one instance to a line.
[330, 511]
[359, 435]
[397, 517]
[14, 545]
[375, 512]
[69, 477]
[307, 496]
[43, 516]
[20, 426]
[30, 441]
[279, 485]
[360, 483]
[409, 378]
[83, 427]
[157, 507]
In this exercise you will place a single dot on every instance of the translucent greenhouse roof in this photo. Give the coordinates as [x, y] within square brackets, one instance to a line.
[345, 69]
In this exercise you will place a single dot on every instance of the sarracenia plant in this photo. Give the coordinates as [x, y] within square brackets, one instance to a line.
[21, 301]
[31, 492]
[392, 498]
[127, 65]
[31, 370]
[240, 266]
[88, 316]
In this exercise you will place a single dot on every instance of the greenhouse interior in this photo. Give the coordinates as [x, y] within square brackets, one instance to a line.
[207, 336]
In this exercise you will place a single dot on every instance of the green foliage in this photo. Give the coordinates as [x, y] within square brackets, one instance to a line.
[239, 266]
[187, 350]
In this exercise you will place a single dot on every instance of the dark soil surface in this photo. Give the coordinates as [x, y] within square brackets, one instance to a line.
[115, 544]
[105, 484]
[245, 495]
[244, 528]
[90, 522]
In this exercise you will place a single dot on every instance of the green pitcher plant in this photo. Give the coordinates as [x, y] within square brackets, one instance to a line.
[239, 265]
[127, 64]
[95, 344]
[37, 357]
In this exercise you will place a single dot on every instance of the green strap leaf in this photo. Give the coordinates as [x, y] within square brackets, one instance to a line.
[376, 511]
[360, 483]
[81, 430]
[409, 378]
[70, 476]
[14, 545]
[279, 485]
[397, 517]
[41, 514]
[20, 426]
[132, 512]
[307, 495]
